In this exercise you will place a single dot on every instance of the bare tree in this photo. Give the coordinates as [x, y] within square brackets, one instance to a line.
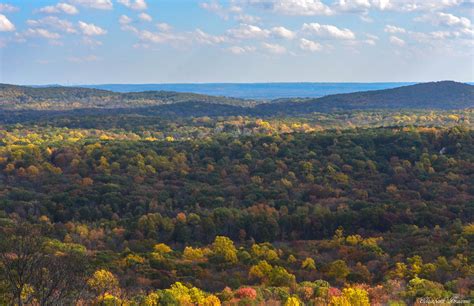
[60, 280]
[20, 258]
[33, 272]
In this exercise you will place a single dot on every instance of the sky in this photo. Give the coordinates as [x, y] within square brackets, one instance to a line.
[72, 42]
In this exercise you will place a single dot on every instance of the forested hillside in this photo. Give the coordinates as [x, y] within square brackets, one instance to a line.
[437, 95]
[198, 202]
[67, 98]
[312, 188]
[343, 209]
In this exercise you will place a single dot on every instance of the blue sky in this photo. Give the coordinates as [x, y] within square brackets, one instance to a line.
[181, 41]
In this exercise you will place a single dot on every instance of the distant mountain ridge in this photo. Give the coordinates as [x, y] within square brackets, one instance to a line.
[436, 95]
[433, 95]
[259, 91]
[66, 98]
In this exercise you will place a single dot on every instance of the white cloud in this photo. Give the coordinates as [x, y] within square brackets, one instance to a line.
[451, 38]
[365, 18]
[382, 4]
[89, 58]
[371, 39]
[451, 20]
[274, 48]
[309, 45]
[460, 26]
[138, 5]
[394, 29]
[243, 18]
[372, 36]
[90, 29]
[440, 37]
[95, 4]
[302, 7]
[240, 50]
[370, 42]
[328, 31]
[129, 28]
[423, 5]
[43, 33]
[293, 7]
[212, 6]
[19, 37]
[282, 32]
[419, 37]
[352, 5]
[145, 17]
[234, 9]
[59, 8]
[397, 41]
[206, 38]
[53, 22]
[124, 19]
[7, 8]
[442, 34]
[445, 19]
[88, 41]
[247, 31]
[141, 46]
[5, 24]
[164, 27]
[159, 37]
[152, 37]
[468, 31]
[363, 6]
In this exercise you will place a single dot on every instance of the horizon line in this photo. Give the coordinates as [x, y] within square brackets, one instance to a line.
[238, 83]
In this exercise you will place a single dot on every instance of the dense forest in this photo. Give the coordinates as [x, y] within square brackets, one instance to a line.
[134, 207]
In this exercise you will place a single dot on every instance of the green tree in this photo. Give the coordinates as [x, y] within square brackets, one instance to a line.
[338, 269]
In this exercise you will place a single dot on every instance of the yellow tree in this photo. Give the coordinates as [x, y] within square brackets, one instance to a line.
[191, 253]
[352, 296]
[308, 264]
[224, 248]
[103, 282]
[211, 300]
[159, 250]
[292, 301]
[262, 271]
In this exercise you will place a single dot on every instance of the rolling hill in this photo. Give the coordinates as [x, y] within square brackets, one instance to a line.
[57, 98]
[435, 95]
